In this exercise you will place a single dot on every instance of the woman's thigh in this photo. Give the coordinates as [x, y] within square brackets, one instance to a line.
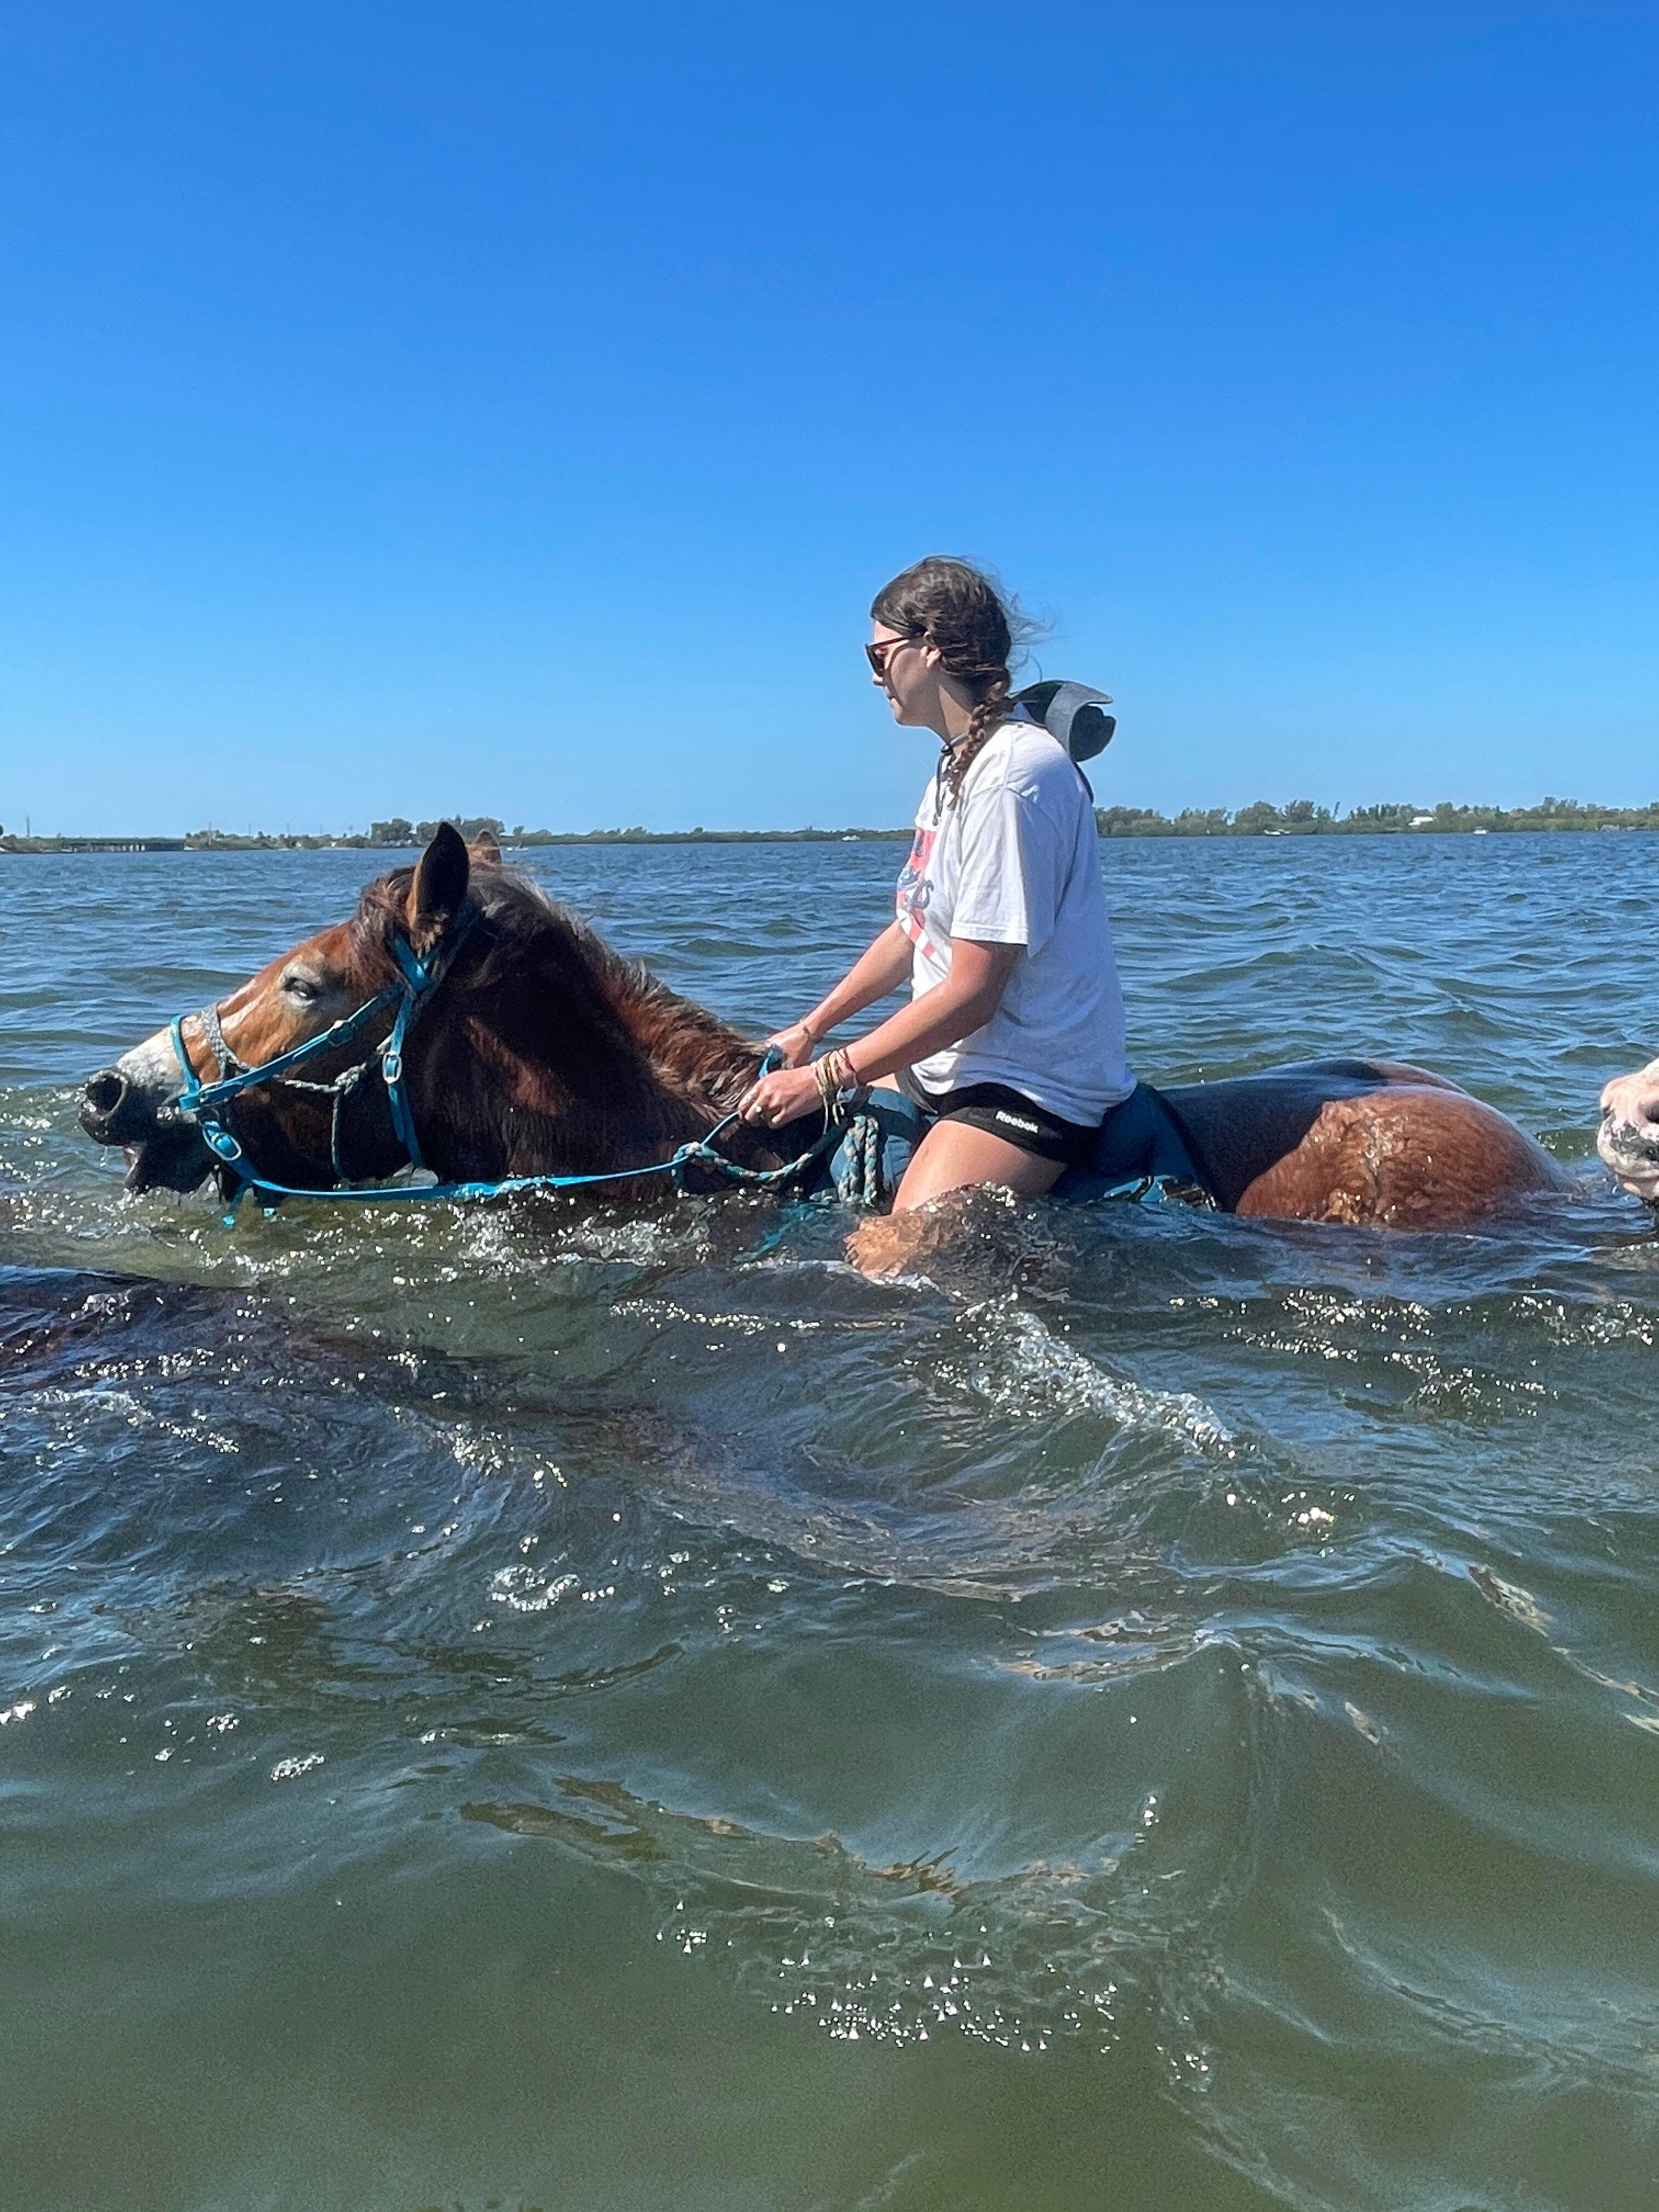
[953, 1153]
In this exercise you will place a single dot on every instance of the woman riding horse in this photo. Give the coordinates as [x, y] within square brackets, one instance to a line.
[1012, 1044]
[462, 1021]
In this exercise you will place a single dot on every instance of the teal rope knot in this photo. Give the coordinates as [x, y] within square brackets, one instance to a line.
[859, 1180]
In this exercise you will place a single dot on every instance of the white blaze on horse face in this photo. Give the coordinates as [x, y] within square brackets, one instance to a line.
[234, 1013]
[285, 1005]
[1628, 1140]
[153, 1077]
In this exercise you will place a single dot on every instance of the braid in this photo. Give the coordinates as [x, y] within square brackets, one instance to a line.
[990, 713]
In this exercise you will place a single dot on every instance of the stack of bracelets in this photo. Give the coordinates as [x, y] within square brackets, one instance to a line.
[834, 1074]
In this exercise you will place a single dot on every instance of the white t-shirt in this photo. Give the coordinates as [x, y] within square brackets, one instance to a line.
[1016, 860]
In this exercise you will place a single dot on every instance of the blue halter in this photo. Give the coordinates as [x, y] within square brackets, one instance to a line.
[418, 980]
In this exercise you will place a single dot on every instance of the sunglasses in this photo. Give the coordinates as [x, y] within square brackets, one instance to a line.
[879, 655]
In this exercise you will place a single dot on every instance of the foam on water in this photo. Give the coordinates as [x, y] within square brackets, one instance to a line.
[1028, 1372]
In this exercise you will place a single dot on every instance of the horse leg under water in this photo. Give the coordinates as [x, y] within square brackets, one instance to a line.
[899, 1243]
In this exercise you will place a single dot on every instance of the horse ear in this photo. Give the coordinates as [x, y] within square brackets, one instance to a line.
[486, 853]
[439, 890]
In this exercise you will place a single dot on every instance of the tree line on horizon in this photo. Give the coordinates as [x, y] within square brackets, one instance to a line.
[1301, 818]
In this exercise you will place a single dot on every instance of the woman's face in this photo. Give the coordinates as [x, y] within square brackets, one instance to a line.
[908, 674]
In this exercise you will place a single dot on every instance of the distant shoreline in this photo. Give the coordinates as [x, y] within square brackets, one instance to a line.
[1300, 818]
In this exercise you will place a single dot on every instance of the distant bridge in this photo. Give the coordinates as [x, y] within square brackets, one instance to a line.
[92, 844]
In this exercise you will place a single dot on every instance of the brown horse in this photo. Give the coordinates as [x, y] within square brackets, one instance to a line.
[542, 1052]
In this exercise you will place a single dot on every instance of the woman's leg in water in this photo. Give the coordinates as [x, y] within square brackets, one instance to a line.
[954, 1154]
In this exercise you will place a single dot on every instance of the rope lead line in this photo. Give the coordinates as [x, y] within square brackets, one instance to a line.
[419, 978]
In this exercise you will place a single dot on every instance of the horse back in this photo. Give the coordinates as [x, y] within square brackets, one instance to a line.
[1362, 1142]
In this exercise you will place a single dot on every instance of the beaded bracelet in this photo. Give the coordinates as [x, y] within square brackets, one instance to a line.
[834, 1073]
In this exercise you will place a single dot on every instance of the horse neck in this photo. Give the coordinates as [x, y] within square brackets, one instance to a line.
[584, 1062]
[701, 1065]
[698, 1060]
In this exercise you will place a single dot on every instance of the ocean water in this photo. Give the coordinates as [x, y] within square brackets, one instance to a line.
[566, 1710]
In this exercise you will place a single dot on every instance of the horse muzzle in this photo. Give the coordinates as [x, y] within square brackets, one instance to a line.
[1631, 1150]
[134, 1104]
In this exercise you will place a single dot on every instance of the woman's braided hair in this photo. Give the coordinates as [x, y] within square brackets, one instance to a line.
[957, 608]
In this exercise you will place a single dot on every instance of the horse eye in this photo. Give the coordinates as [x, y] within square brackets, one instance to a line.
[301, 986]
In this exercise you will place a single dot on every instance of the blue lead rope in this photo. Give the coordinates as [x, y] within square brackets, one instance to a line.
[699, 1153]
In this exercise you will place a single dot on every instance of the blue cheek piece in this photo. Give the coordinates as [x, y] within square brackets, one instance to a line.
[418, 981]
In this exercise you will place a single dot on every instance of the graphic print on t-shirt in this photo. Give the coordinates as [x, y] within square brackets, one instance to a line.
[913, 889]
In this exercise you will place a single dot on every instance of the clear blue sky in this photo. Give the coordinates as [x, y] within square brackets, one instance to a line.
[513, 407]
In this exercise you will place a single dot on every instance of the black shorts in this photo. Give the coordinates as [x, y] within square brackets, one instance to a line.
[1011, 1115]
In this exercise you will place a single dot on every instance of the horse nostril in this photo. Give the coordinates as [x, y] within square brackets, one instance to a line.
[104, 1094]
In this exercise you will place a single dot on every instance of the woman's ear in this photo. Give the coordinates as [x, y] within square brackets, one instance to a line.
[438, 891]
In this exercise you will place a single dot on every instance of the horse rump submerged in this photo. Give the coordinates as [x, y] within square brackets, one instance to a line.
[540, 1052]
[1362, 1142]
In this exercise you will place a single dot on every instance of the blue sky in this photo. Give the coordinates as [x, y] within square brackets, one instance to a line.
[513, 407]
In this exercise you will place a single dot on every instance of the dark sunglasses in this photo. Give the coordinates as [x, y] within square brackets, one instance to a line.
[879, 655]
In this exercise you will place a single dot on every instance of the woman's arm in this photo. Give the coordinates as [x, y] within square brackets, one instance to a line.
[877, 972]
[953, 1009]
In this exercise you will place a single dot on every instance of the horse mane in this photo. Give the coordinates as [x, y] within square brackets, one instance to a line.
[572, 1051]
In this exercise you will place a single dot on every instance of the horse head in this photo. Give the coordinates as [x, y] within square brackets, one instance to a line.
[528, 1047]
[1628, 1140]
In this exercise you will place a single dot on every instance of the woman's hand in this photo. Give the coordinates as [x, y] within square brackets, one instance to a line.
[794, 1046]
[784, 1096]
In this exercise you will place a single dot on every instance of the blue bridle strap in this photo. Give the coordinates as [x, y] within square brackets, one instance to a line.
[419, 978]
[418, 981]
[197, 1095]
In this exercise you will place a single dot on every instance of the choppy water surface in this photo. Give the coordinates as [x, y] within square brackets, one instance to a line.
[581, 1711]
